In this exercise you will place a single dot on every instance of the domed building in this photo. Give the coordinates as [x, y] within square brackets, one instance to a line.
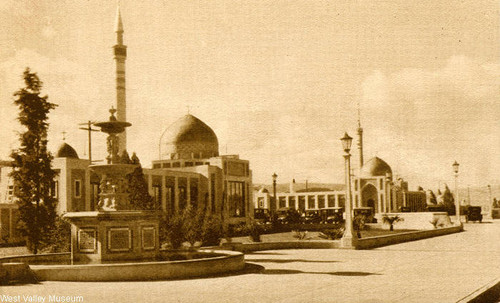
[71, 185]
[66, 151]
[190, 171]
[375, 167]
[375, 188]
[189, 138]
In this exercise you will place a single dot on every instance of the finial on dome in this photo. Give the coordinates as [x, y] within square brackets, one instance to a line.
[64, 135]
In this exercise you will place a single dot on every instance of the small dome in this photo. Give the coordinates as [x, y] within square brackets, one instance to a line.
[375, 167]
[263, 190]
[189, 138]
[66, 151]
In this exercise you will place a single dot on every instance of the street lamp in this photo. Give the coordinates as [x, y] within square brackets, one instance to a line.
[275, 176]
[348, 239]
[457, 200]
[489, 191]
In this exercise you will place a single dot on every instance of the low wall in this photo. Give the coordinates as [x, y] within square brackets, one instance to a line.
[305, 244]
[416, 220]
[39, 258]
[139, 271]
[373, 242]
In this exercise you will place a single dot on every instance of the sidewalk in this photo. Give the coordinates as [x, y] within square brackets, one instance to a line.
[441, 269]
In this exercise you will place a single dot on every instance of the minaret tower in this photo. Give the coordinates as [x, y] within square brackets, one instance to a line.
[120, 52]
[360, 138]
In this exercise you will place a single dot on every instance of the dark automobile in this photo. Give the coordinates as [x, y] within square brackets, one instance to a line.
[311, 217]
[473, 214]
[261, 214]
[332, 215]
[281, 216]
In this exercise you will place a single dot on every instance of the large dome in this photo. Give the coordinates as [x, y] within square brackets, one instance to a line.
[375, 167]
[189, 138]
[66, 151]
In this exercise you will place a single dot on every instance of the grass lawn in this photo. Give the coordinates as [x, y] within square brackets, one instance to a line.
[314, 235]
[382, 232]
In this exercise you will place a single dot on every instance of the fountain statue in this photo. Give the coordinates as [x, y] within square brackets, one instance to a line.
[115, 231]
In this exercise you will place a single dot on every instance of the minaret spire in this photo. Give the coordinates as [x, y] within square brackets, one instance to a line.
[120, 52]
[360, 137]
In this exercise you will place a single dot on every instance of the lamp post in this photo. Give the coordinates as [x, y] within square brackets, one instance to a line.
[489, 191]
[273, 205]
[349, 239]
[457, 200]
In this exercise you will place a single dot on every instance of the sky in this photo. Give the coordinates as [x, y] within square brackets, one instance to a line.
[278, 81]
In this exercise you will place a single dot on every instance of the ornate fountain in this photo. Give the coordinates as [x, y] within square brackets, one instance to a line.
[115, 231]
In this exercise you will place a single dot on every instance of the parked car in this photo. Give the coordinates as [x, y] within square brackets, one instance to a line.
[261, 214]
[281, 215]
[311, 217]
[473, 214]
[332, 215]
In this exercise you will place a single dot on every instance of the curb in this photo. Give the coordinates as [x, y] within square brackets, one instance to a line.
[488, 293]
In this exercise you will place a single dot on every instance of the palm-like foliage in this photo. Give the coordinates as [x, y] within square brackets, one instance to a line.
[391, 220]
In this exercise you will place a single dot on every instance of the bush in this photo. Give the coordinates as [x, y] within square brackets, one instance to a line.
[359, 223]
[254, 230]
[436, 222]
[173, 230]
[300, 234]
[212, 231]
[192, 225]
[333, 233]
[58, 238]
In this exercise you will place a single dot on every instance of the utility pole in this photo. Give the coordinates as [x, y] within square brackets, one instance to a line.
[468, 194]
[90, 130]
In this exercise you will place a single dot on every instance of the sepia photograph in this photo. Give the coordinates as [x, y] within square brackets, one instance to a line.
[250, 151]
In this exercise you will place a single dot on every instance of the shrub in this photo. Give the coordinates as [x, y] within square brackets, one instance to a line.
[173, 230]
[254, 230]
[193, 224]
[333, 233]
[359, 223]
[59, 237]
[436, 222]
[212, 231]
[300, 234]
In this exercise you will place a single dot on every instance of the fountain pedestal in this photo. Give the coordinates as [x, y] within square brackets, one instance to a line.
[114, 235]
[115, 231]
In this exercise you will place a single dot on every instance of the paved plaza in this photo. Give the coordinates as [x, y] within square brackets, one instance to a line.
[441, 269]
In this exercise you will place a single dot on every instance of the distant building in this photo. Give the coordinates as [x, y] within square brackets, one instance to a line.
[194, 173]
[190, 170]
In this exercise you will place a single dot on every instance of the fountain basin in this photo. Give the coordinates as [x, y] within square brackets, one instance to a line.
[217, 262]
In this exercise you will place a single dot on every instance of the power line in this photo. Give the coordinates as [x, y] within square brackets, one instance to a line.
[90, 130]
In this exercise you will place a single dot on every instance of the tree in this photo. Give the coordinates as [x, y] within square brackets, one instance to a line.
[391, 220]
[138, 188]
[432, 197]
[32, 172]
[448, 201]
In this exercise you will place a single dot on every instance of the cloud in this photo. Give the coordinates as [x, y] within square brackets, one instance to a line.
[48, 30]
[424, 119]
[68, 84]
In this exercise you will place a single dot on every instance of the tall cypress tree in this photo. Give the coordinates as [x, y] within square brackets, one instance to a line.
[138, 188]
[32, 172]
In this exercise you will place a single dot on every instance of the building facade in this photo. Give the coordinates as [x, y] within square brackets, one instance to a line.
[372, 188]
